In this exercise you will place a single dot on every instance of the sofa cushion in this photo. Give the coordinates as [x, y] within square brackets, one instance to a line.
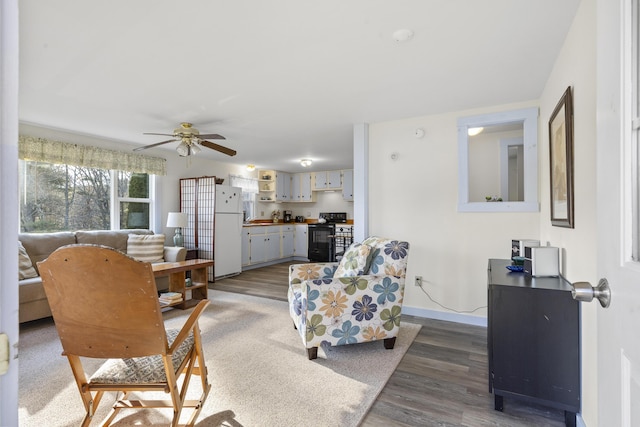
[31, 290]
[116, 239]
[40, 245]
[25, 266]
[355, 261]
[147, 248]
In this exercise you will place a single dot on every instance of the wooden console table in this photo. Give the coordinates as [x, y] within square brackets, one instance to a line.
[177, 275]
[533, 340]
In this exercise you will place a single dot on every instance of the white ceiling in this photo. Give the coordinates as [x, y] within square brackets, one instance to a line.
[282, 79]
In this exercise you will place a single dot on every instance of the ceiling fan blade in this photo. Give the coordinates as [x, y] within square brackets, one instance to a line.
[154, 145]
[165, 134]
[210, 136]
[220, 148]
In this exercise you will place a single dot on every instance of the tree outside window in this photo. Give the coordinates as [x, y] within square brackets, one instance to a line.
[58, 197]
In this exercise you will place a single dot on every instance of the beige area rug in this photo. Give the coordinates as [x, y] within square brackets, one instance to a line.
[258, 369]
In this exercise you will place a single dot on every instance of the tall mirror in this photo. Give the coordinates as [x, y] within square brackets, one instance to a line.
[498, 162]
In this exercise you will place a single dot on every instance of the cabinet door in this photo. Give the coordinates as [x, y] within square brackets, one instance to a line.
[535, 344]
[334, 179]
[258, 248]
[287, 244]
[347, 184]
[295, 187]
[272, 246]
[283, 186]
[305, 187]
[320, 181]
[301, 244]
[246, 247]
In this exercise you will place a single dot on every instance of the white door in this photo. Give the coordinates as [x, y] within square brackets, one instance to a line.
[618, 343]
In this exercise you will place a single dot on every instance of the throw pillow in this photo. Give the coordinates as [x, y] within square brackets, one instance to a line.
[146, 247]
[354, 262]
[25, 266]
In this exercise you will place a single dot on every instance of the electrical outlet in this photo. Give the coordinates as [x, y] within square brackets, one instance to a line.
[419, 281]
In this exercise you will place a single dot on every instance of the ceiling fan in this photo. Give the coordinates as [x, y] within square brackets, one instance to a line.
[190, 141]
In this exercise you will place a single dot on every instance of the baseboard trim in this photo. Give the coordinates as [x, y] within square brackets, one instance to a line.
[441, 315]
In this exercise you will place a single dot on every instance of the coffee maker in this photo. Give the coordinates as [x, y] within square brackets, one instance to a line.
[288, 216]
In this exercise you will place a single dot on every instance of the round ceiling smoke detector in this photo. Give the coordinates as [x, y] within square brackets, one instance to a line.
[403, 35]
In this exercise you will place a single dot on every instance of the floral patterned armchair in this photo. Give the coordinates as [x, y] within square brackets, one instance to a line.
[356, 300]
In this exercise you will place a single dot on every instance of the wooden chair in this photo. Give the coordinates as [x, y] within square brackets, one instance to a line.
[105, 305]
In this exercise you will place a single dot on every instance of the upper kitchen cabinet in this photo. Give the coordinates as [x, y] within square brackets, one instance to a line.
[267, 185]
[330, 180]
[301, 188]
[283, 186]
[347, 184]
[274, 186]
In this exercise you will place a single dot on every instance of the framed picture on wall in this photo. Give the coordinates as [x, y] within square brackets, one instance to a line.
[561, 161]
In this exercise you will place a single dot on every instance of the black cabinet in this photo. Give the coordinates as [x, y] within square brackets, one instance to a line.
[533, 340]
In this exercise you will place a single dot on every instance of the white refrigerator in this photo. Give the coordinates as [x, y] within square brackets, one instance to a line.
[228, 231]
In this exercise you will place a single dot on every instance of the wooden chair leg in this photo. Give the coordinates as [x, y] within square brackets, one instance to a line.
[389, 343]
[312, 353]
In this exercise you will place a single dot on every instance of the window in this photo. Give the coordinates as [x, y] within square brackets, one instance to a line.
[59, 197]
[249, 190]
[67, 186]
[133, 200]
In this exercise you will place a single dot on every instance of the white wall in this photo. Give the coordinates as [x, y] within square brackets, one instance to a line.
[415, 198]
[576, 67]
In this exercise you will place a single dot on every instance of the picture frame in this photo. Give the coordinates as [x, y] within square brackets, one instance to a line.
[561, 161]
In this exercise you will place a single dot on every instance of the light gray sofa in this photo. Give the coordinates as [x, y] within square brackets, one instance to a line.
[33, 301]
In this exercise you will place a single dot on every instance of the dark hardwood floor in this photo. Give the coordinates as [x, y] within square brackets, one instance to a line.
[441, 381]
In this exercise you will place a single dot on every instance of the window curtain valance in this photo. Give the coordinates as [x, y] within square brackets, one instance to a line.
[248, 185]
[45, 150]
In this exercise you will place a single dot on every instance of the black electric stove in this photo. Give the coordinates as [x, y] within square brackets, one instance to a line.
[322, 241]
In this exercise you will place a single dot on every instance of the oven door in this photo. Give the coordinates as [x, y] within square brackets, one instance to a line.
[322, 242]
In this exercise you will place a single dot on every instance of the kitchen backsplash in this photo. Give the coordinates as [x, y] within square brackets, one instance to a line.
[325, 202]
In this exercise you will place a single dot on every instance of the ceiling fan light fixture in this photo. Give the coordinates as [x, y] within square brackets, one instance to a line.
[183, 149]
[195, 148]
[305, 163]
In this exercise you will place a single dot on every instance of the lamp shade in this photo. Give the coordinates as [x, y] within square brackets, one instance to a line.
[177, 219]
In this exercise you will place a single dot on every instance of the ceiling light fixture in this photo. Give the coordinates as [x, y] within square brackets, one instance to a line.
[251, 168]
[474, 131]
[305, 163]
[188, 147]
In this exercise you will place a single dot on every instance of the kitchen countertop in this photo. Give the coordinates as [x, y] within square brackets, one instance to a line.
[270, 223]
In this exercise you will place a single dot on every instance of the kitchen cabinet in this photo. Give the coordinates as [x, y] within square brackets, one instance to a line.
[287, 242]
[533, 340]
[283, 186]
[347, 184]
[266, 186]
[272, 244]
[268, 244]
[301, 242]
[330, 180]
[261, 244]
[301, 188]
[246, 236]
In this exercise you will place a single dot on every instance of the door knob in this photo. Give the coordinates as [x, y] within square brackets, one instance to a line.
[583, 291]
